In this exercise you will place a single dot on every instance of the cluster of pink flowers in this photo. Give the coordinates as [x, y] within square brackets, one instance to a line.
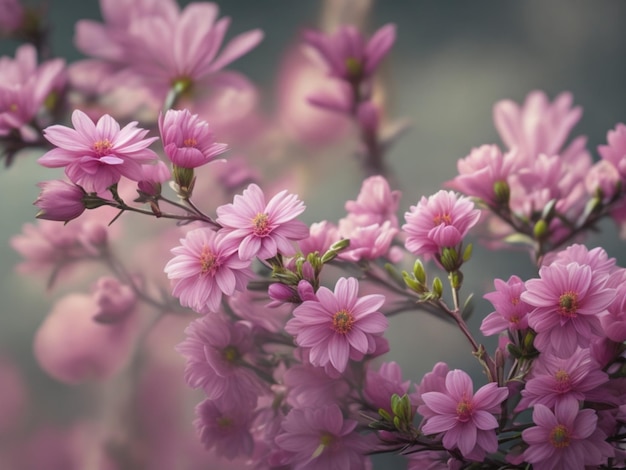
[285, 322]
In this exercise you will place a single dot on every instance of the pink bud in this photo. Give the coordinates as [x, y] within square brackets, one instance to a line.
[115, 300]
[59, 200]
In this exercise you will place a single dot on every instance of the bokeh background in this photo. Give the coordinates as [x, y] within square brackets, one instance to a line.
[452, 61]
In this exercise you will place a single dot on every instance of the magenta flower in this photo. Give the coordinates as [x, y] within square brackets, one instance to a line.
[187, 139]
[59, 200]
[438, 222]
[555, 379]
[347, 55]
[204, 267]
[259, 228]
[321, 439]
[511, 312]
[225, 428]
[565, 439]
[338, 325]
[96, 156]
[567, 300]
[465, 418]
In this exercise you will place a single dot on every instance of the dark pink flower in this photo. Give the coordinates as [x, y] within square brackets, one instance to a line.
[511, 312]
[262, 229]
[187, 139]
[321, 439]
[566, 438]
[96, 156]
[465, 418]
[338, 325]
[204, 267]
[59, 200]
[438, 222]
[567, 300]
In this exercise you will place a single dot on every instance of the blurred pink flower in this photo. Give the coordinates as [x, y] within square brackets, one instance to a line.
[262, 229]
[96, 156]
[338, 325]
[204, 267]
[615, 150]
[187, 140]
[465, 418]
[11, 16]
[382, 384]
[376, 203]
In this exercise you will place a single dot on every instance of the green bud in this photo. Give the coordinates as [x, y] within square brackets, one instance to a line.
[467, 253]
[419, 272]
[184, 178]
[437, 288]
[502, 191]
[335, 249]
[411, 283]
[384, 414]
[456, 279]
[449, 259]
[528, 341]
[540, 231]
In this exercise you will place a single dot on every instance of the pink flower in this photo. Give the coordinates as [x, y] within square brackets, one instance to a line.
[11, 15]
[115, 300]
[511, 312]
[262, 229]
[566, 438]
[309, 386]
[567, 300]
[438, 222]
[376, 203]
[59, 200]
[96, 156]
[225, 428]
[321, 439]
[204, 267]
[554, 379]
[187, 140]
[321, 236]
[339, 325]
[347, 55]
[366, 242]
[615, 150]
[596, 258]
[466, 419]
[381, 385]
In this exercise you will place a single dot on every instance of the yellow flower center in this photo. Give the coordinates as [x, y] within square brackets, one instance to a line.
[562, 381]
[445, 219]
[261, 224]
[208, 261]
[354, 67]
[190, 142]
[230, 354]
[464, 410]
[568, 304]
[342, 322]
[560, 436]
[102, 147]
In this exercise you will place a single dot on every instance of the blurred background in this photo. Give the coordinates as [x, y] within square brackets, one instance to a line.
[451, 63]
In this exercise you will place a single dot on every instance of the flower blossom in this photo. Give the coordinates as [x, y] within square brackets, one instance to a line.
[465, 418]
[262, 229]
[511, 312]
[204, 267]
[338, 325]
[565, 439]
[187, 140]
[96, 156]
[59, 200]
[376, 203]
[438, 222]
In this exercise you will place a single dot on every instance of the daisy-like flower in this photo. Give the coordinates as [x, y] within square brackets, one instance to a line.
[96, 156]
[321, 439]
[187, 139]
[204, 267]
[568, 301]
[565, 439]
[259, 228]
[465, 418]
[338, 325]
[438, 222]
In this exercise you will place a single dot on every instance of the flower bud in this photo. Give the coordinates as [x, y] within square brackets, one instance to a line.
[115, 300]
[59, 200]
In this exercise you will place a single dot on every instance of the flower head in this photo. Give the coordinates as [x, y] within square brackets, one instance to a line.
[511, 312]
[259, 228]
[187, 140]
[465, 418]
[338, 325]
[96, 156]
[204, 267]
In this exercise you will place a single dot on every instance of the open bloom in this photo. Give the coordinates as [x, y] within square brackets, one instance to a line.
[565, 439]
[187, 139]
[338, 325]
[96, 156]
[465, 418]
[259, 228]
[440, 221]
[203, 268]
[511, 312]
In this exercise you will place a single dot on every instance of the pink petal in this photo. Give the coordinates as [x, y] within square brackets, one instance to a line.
[237, 47]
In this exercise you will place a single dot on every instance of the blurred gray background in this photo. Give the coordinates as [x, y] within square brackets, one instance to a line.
[452, 61]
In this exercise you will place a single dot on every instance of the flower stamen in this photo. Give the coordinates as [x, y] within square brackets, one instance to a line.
[342, 322]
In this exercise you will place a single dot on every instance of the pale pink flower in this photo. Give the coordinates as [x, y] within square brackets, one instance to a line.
[565, 439]
[376, 203]
[596, 258]
[338, 325]
[96, 156]
[567, 300]
[262, 229]
[321, 236]
[615, 150]
[433, 381]
[603, 180]
[555, 379]
[366, 241]
[115, 300]
[321, 439]
[153, 176]
[187, 140]
[440, 221]
[310, 386]
[382, 384]
[465, 418]
[511, 312]
[204, 267]
[59, 200]
[225, 427]
[614, 322]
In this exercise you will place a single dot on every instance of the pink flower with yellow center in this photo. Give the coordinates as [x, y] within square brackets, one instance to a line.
[338, 325]
[96, 156]
[262, 229]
